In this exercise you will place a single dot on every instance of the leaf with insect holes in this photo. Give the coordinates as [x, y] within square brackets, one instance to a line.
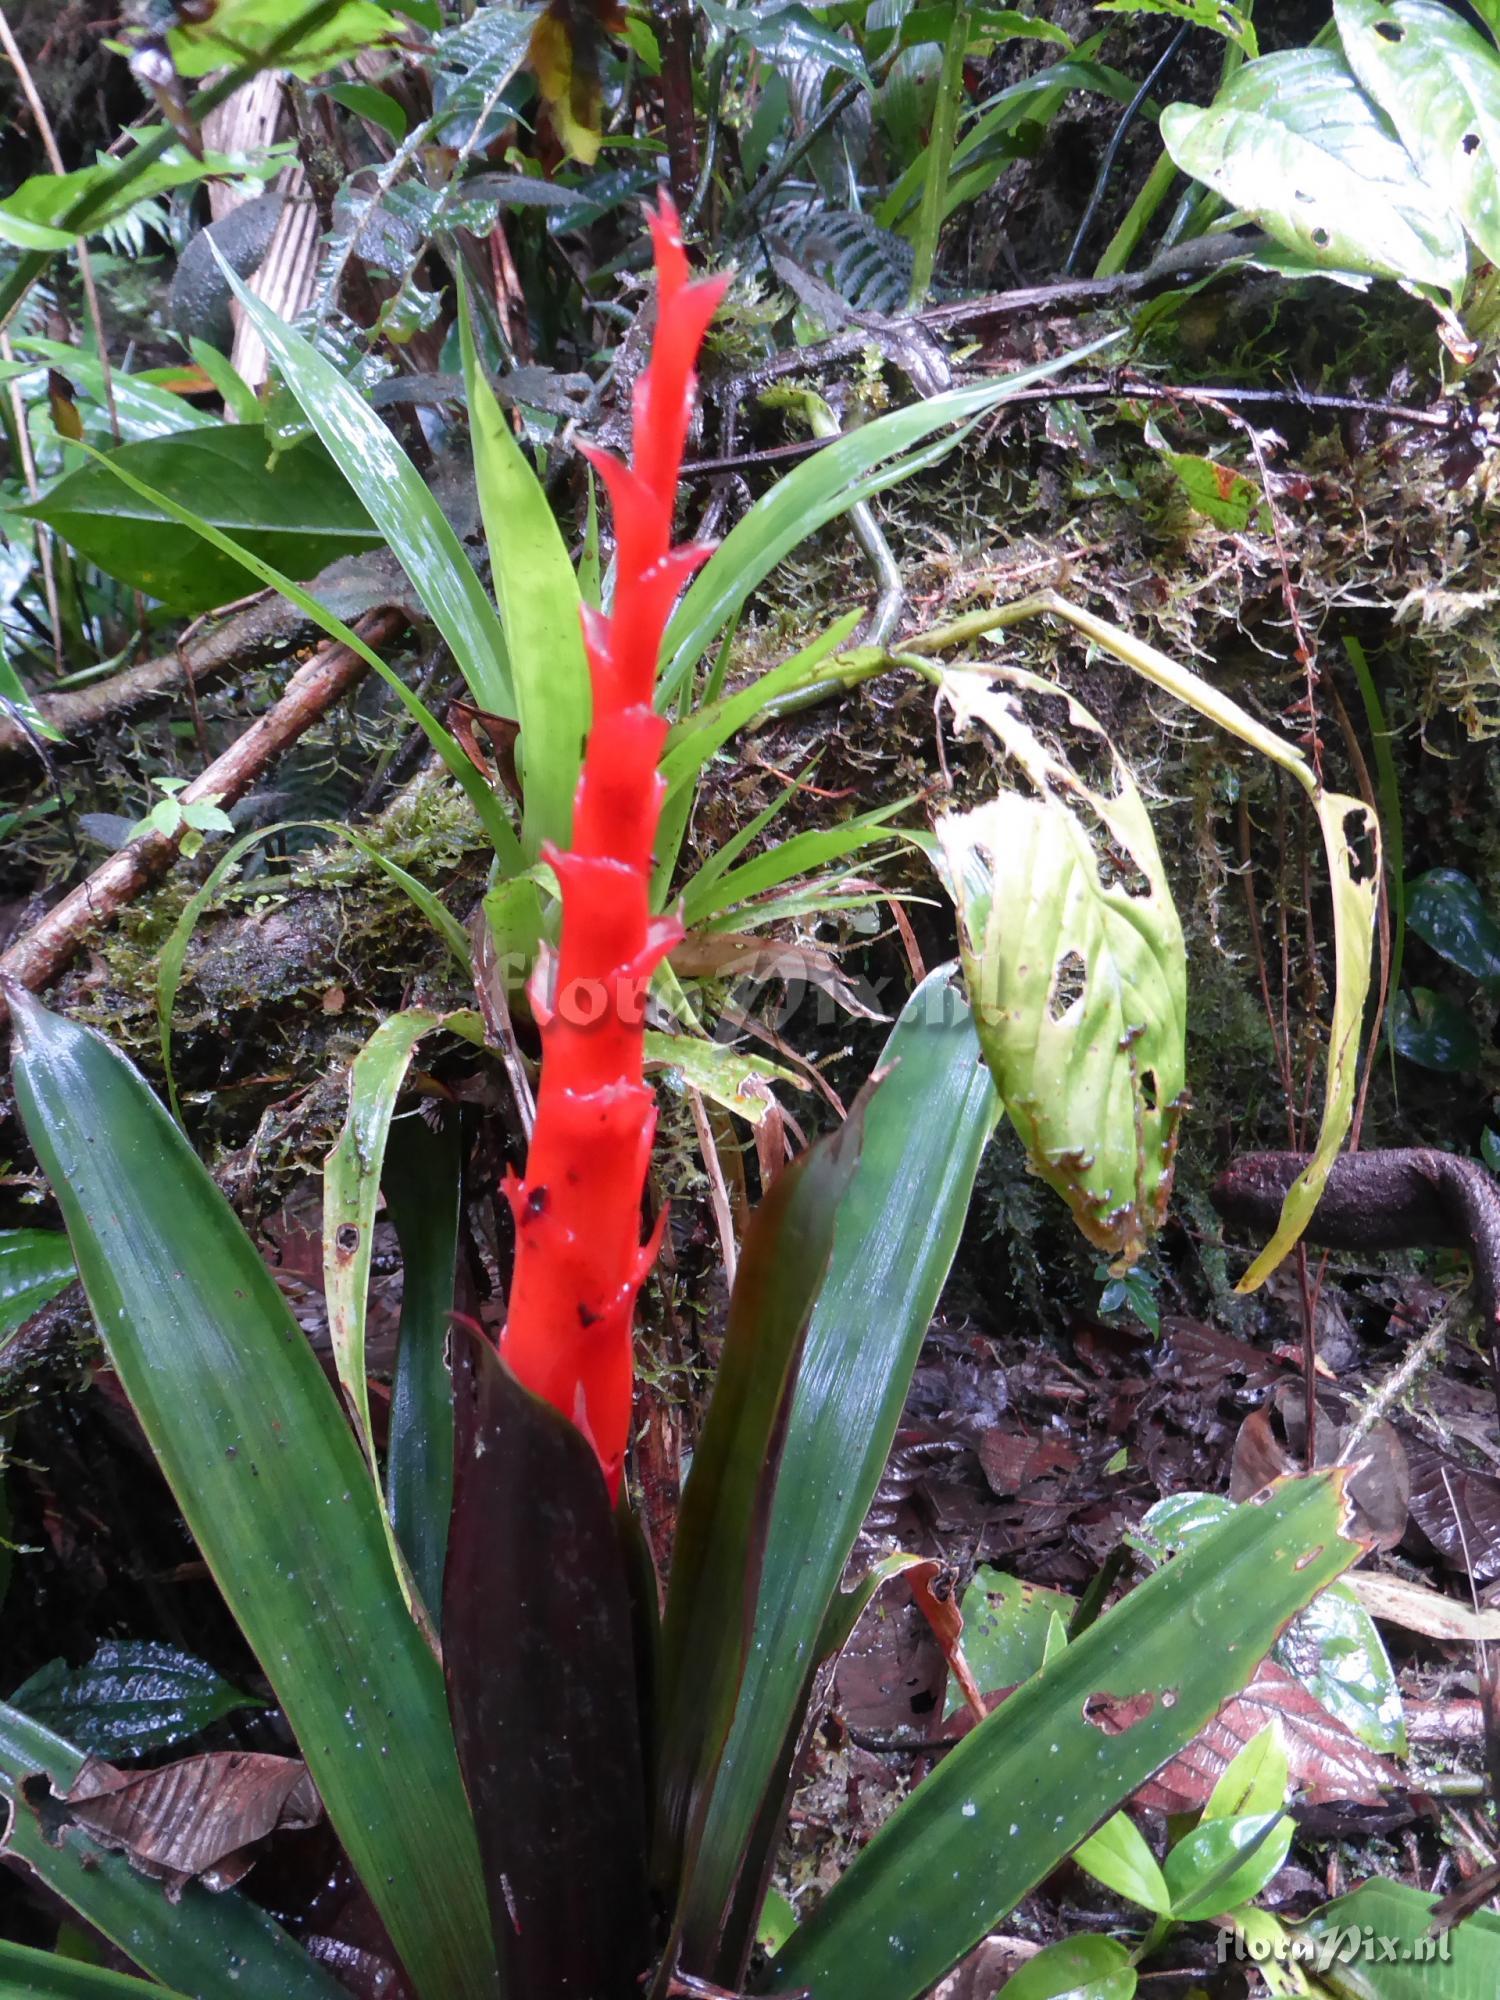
[1438, 81]
[1295, 142]
[1076, 965]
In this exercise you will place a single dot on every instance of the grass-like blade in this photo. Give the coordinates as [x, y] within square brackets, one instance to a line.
[401, 504]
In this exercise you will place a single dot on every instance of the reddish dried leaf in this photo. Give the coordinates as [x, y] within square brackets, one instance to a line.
[1012, 1459]
[200, 1816]
[1328, 1763]
[1457, 1510]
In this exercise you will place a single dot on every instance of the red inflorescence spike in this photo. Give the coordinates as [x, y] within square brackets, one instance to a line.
[579, 1257]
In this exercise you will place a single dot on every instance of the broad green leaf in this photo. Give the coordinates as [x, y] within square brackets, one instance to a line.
[1438, 81]
[351, 1192]
[33, 218]
[855, 466]
[720, 1544]
[1435, 1032]
[1233, 23]
[234, 28]
[1076, 967]
[788, 33]
[400, 503]
[1377, 1944]
[1294, 141]
[1117, 1856]
[1006, 1623]
[1222, 1862]
[42, 1975]
[1089, 1967]
[377, 106]
[422, 1184]
[1028, 1784]
[271, 1484]
[1255, 1781]
[1446, 910]
[539, 601]
[35, 1264]
[133, 1696]
[200, 1946]
[897, 1233]
[299, 513]
[1336, 1652]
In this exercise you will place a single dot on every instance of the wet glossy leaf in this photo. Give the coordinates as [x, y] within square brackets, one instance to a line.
[1438, 81]
[722, 1526]
[1337, 1654]
[1005, 1629]
[42, 1975]
[1446, 910]
[1294, 141]
[400, 502]
[1117, 1856]
[1076, 966]
[897, 1233]
[300, 513]
[1225, 1861]
[35, 1265]
[1081, 1968]
[788, 34]
[1028, 1784]
[134, 1695]
[272, 1485]
[1434, 1032]
[1408, 1963]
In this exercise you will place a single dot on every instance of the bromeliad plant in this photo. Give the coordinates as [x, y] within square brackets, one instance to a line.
[578, 1792]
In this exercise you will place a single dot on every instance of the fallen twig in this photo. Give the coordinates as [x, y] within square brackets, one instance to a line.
[241, 641]
[40, 953]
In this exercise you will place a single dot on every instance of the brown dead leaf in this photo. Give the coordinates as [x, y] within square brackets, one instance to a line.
[199, 1818]
[1012, 1458]
[1328, 1763]
[737, 955]
[1271, 1445]
[1458, 1510]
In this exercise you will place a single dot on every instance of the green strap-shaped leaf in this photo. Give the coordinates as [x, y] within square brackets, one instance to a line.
[1294, 141]
[351, 1191]
[400, 501]
[897, 1233]
[42, 1975]
[271, 1483]
[1024, 1788]
[539, 602]
[721, 1531]
[423, 1173]
[1438, 81]
[35, 1264]
[197, 1946]
[854, 467]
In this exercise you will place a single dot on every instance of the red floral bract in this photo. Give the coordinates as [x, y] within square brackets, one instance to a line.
[579, 1257]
